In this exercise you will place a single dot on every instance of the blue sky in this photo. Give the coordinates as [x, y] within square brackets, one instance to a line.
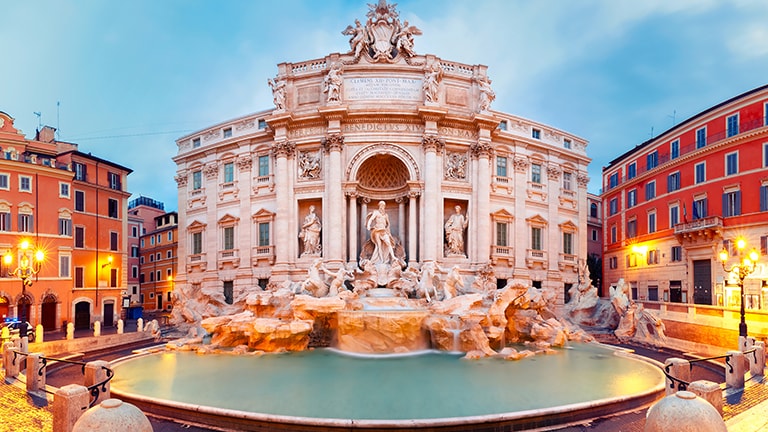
[131, 77]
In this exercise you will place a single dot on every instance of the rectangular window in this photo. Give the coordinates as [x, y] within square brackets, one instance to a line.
[501, 166]
[651, 160]
[114, 181]
[79, 277]
[151, 240]
[731, 163]
[701, 137]
[197, 180]
[501, 234]
[503, 125]
[112, 208]
[613, 180]
[134, 272]
[536, 238]
[567, 143]
[614, 234]
[26, 223]
[613, 262]
[197, 243]
[653, 293]
[169, 254]
[650, 190]
[764, 245]
[700, 170]
[151, 278]
[700, 208]
[674, 149]
[674, 216]
[653, 256]
[763, 199]
[25, 183]
[567, 181]
[227, 132]
[158, 238]
[170, 236]
[113, 241]
[536, 133]
[651, 223]
[79, 237]
[80, 171]
[113, 277]
[64, 266]
[4, 182]
[142, 242]
[196, 143]
[613, 206]
[594, 235]
[536, 173]
[65, 227]
[264, 234]
[732, 203]
[229, 172]
[262, 124]
[568, 243]
[632, 170]
[732, 125]
[673, 182]
[631, 198]
[632, 260]
[151, 257]
[632, 228]
[677, 253]
[134, 231]
[5, 221]
[63, 190]
[134, 251]
[229, 238]
[158, 276]
[79, 201]
[263, 166]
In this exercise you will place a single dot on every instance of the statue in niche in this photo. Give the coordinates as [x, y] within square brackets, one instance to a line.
[310, 233]
[332, 84]
[454, 232]
[456, 166]
[377, 224]
[487, 95]
[309, 165]
[358, 41]
[432, 78]
[278, 92]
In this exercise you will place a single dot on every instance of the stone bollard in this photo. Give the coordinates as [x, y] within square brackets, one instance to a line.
[683, 412]
[69, 403]
[734, 374]
[113, 415]
[94, 374]
[710, 392]
[96, 328]
[11, 367]
[39, 333]
[140, 325]
[757, 359]
[120, 326]
[70, 331]
[677, 368]
[35, 379]
[24, 344]
[5, 334]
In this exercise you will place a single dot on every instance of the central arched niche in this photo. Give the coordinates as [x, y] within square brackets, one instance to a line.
[383, 176]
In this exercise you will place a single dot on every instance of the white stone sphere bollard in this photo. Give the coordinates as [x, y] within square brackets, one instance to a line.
[97, 328]
[113, 415]
[683, 412]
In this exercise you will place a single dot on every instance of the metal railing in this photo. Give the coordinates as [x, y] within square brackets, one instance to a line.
[683, 385]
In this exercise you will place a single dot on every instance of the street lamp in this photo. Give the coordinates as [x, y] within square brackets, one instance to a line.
[744, 268]
[30, 262]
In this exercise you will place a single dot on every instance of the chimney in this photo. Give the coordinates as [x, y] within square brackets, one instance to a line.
[47, 134]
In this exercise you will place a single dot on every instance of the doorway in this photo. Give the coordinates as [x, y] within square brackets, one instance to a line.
[82, 315]
[702, 282]
[48, 313]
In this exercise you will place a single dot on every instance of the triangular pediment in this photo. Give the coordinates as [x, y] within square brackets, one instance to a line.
[568, 226]
[196, 225]
[502, 214]
[536, 220]
[228, 219]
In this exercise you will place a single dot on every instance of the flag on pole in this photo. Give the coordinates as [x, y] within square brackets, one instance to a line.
[685, 214]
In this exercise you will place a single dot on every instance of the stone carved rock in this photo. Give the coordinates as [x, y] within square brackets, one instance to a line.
[456, 166]
[384, 37]
[309, 165]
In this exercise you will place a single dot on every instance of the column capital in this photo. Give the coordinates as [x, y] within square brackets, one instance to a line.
[284, 149]
[333, 142]
[432, 143]
[481, 149]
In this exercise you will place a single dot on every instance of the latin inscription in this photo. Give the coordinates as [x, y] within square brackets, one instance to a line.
[382, 127]
[375, 88]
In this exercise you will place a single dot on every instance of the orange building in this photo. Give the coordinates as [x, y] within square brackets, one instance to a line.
[72, 206]
[673, 202]
[159, 259]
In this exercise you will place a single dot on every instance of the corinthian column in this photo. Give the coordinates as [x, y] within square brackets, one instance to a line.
[431, 206]
[482, 224]
[334, 209]
[283, 232]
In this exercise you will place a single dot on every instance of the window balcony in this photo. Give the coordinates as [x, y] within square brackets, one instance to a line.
[262, 253]
[535, 258]
[708, 228]
[228, 258]
[567, 260]
[537, 190]
[196, 262]
[503, 254]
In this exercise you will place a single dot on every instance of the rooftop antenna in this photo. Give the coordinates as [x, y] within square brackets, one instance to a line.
[39, 119]
[58, 133]
[651, 131]
[673, 116]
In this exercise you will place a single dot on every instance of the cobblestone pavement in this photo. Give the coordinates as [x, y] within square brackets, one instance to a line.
[21, 412]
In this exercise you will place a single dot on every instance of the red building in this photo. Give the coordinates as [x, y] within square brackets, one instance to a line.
[673, 202]
[72, 207]
[159, 258]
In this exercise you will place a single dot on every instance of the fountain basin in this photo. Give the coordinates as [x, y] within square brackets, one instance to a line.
[323, 389]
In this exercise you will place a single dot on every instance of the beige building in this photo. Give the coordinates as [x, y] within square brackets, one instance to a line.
[261, 197]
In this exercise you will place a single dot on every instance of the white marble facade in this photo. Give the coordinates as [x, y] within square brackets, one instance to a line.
[379, 123]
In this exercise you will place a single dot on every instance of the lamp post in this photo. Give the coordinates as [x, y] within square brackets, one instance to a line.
[29, 263]
[744, 268]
